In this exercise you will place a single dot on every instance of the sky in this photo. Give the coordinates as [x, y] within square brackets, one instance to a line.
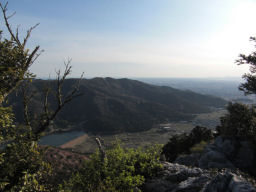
[138, 38]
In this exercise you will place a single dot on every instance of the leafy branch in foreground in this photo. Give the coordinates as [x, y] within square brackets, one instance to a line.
[22, 167]
[249, 87]
[122, 170]
[15, 58]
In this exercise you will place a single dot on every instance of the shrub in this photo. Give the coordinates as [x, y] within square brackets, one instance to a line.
[239, 122]
[179, 144]
[199, 134]
[121, 170]
[199, 147]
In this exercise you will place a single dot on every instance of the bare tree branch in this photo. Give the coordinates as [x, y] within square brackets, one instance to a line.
[30, 57]
[46, 111]
[61, 99]
[26, 96]
[29, 33]
[6, 18]
[101, 149]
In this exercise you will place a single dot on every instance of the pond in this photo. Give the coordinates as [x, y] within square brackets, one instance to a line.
[58, 139]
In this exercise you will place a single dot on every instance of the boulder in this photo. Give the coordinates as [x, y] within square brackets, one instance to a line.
[176, 177]
[244, 158]
[189, 160]
[225, 152]
[238, 184]
[179, 178]
[214, 159]
[227, 146]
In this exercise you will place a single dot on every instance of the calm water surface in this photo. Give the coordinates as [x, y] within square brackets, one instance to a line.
[58, 139]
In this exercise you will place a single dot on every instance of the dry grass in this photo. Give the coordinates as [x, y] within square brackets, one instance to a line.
[74, 142]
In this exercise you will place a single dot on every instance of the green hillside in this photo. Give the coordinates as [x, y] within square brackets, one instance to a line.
[115, 105]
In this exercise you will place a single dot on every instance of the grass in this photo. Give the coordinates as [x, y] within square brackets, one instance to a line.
[156, 135]
[199, 147]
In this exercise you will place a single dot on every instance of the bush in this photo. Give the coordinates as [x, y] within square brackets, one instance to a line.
[180, 144]
[121, 170]
[199, 147]
[177, 144]
[199, 134]
[239, 122]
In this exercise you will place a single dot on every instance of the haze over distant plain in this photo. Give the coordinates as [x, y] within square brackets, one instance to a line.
[139, 38]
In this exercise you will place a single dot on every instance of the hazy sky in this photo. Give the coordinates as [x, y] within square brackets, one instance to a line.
[139, 38]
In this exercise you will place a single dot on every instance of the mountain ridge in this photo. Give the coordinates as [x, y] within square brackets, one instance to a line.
[115, 105]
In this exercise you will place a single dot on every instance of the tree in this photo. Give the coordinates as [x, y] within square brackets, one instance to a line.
[249, 87]
[240, 121]
[15, 58]
[21, 163]
[182, 143]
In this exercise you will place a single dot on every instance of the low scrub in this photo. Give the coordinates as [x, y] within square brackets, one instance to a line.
[180, 144]
[240, 121]
[121, 170]
[199, 147]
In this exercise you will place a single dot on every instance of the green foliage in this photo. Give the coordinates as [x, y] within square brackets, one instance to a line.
[249, 87]
[6, 117]
[127, 105]
[199, 134]
[23, 166]
[179, 144]
[199, 147]
[240, 121]
[121, 170]
[6, 122]
[241, 118]
[12, 64]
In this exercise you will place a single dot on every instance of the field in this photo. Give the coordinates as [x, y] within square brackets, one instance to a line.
[160, 134]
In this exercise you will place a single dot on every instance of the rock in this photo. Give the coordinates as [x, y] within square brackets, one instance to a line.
[223, 153]
[244, 158]
[228, 182]
[159, 185]
[177, 177]
[214, 159]
[193, 184]
[219, 183]
[189, 160]
[177, 173]
[227, 146]
[238, 184]
[180, 178]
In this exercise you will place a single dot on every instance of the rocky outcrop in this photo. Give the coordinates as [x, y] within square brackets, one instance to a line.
[228, 153]
[180, 178]
[212, 170]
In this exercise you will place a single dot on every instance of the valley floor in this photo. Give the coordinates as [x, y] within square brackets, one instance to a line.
[160, 134]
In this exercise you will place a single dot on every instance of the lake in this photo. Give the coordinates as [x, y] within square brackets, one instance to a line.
[58, 139]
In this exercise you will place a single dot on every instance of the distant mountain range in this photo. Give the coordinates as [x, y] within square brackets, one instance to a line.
[226, 88]
[115, 105]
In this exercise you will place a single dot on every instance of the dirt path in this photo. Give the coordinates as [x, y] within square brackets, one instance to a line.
[74, 142]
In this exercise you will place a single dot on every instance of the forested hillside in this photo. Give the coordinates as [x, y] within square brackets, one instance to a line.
[110, 105]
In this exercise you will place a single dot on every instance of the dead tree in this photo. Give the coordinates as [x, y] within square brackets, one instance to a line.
[101, 149]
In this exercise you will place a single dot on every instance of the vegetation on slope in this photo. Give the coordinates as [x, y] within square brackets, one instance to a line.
[181, 144]
[22, 167]
[119, 170]
[116, 105]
